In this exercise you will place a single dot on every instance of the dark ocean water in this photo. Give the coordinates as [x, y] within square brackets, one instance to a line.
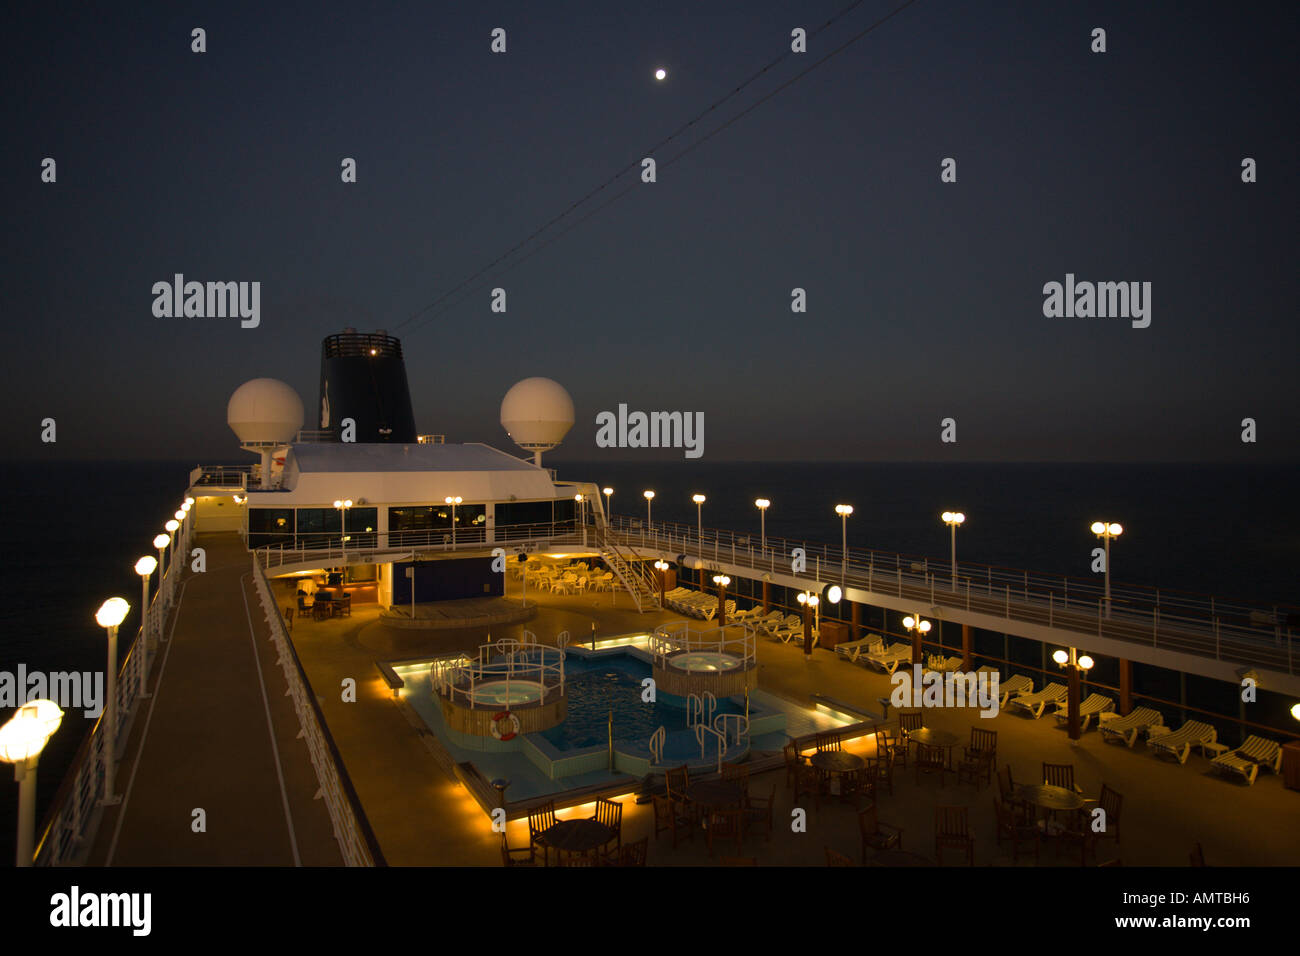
[75, 530]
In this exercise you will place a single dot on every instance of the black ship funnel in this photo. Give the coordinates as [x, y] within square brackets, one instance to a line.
[363, 377]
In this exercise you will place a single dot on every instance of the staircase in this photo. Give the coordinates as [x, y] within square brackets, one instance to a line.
[644, 594]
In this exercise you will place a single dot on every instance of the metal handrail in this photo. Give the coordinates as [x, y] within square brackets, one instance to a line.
[502, 660]
[681, 636]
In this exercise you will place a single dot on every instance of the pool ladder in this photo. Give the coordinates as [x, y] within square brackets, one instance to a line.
[700, 709]
[657, 746]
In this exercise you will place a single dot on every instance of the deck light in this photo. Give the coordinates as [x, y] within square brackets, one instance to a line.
[834, 593]
[1061, 657]
[608, 492]
[109, 616]
[699, 518]
[1295, 711]
[762, 504]
[172, 525]
[22, 739]
[187, 504]
[844, 511]
[1086, 662]
[649, 497]
[721, 579]
[144, 567]
[179, 515]
[1107, 530]
[952, 519]
[189, 501]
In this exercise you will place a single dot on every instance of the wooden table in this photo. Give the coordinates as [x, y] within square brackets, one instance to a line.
[935, 738]
[716, 794]
[836, 762]
[1047, 797]
[576, 836]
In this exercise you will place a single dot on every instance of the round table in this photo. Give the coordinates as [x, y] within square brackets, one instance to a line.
[716, 794]
[1048, 797]
[576, 836]
[837, 762]
[935, 738]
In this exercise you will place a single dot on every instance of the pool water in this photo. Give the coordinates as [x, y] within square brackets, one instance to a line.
[500, 693]
[709, 661]
[599, 687]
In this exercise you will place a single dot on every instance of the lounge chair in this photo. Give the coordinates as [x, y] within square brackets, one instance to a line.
[1015, 686]
[936, 662]
[850, 650]
[1035, 704]
[890, 658]
[1127, 728]
[1246, 760]
[1094, 706]
[1180, 743]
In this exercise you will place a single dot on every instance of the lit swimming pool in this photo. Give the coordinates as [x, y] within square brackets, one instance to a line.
[499, 693]
[704, 662]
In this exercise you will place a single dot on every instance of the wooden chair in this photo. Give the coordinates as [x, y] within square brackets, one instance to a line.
[930, 759]
[793, 759]
[808, 782]
[539, 821]
[1014, 826]
[980, 758]
[910, 720]
[876, 835]
[895, 750]
[836, 859]
[610, 813]
[952, 829]
[1073, 829]
[678, 782]
[1110, 802]
[760, 812]
[738, 774]
[670, 816]
[1060, 775]
[728, 824]
[517, 856]
[831, 740]
[632, 854]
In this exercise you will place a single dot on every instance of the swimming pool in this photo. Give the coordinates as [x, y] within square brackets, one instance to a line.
[704, 662]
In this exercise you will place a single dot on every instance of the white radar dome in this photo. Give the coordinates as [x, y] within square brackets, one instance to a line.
[265, 410]
[537, 413]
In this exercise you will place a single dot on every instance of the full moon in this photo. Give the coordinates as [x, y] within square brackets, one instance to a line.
[660, 74]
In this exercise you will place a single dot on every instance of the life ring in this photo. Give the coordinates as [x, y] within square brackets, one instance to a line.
[504, 718]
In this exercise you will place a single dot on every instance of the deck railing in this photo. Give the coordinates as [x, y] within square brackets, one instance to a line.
[503, 661]
[678, 637]
[356, 840]
[1207, 626]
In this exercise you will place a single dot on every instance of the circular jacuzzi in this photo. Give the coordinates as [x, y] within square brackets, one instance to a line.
[500, 693]
[704, 662]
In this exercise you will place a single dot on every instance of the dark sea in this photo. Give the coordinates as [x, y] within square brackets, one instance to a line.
[76, 530]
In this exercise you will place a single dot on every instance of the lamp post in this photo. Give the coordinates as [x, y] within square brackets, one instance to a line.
[180, 534]
[22, 739]
[1074, 663]
[649, 497]
[662, 567]
[609, 504]
[809, 602]
[582, 518]
[762, 504]
[953, 519]
[341, 505]
[171, 527]
[109, 616]
[844, 511]
[721, 580]
[1107, 530]
[160, 542]
[918, 629]
[699, 519]
[144, 567]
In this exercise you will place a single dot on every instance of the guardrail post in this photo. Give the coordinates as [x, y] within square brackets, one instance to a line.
[1155, 625]
[1051, 601]
[1007, 612]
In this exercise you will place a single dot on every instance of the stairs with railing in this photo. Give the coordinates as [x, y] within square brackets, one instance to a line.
[630, 574]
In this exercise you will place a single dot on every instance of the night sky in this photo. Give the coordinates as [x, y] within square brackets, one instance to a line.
[924, 298]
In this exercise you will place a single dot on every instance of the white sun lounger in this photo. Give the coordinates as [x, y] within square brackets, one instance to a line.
[851, 650]
[890, 658]
[1014, 687]
[1127, 728]
[1094, 706]
[1180, 743]
[1035, 704]
[1246, 760]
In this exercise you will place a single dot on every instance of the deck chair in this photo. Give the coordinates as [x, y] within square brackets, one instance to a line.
[979, 759]
[1126, 729]
[610, 813]
[1180, 743]
[837, 859]
[1060, 775]
[1246, 760]
[930, 759]
[952, 829]
[1094, 706]
[1016, 826]
[539, 821]
[1035, 704]
[876, 835]
[632, 854]
[850, 650]
[1110, 802]
[1015, 687]
[517, 855]
[890, 658]
[670, 815]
